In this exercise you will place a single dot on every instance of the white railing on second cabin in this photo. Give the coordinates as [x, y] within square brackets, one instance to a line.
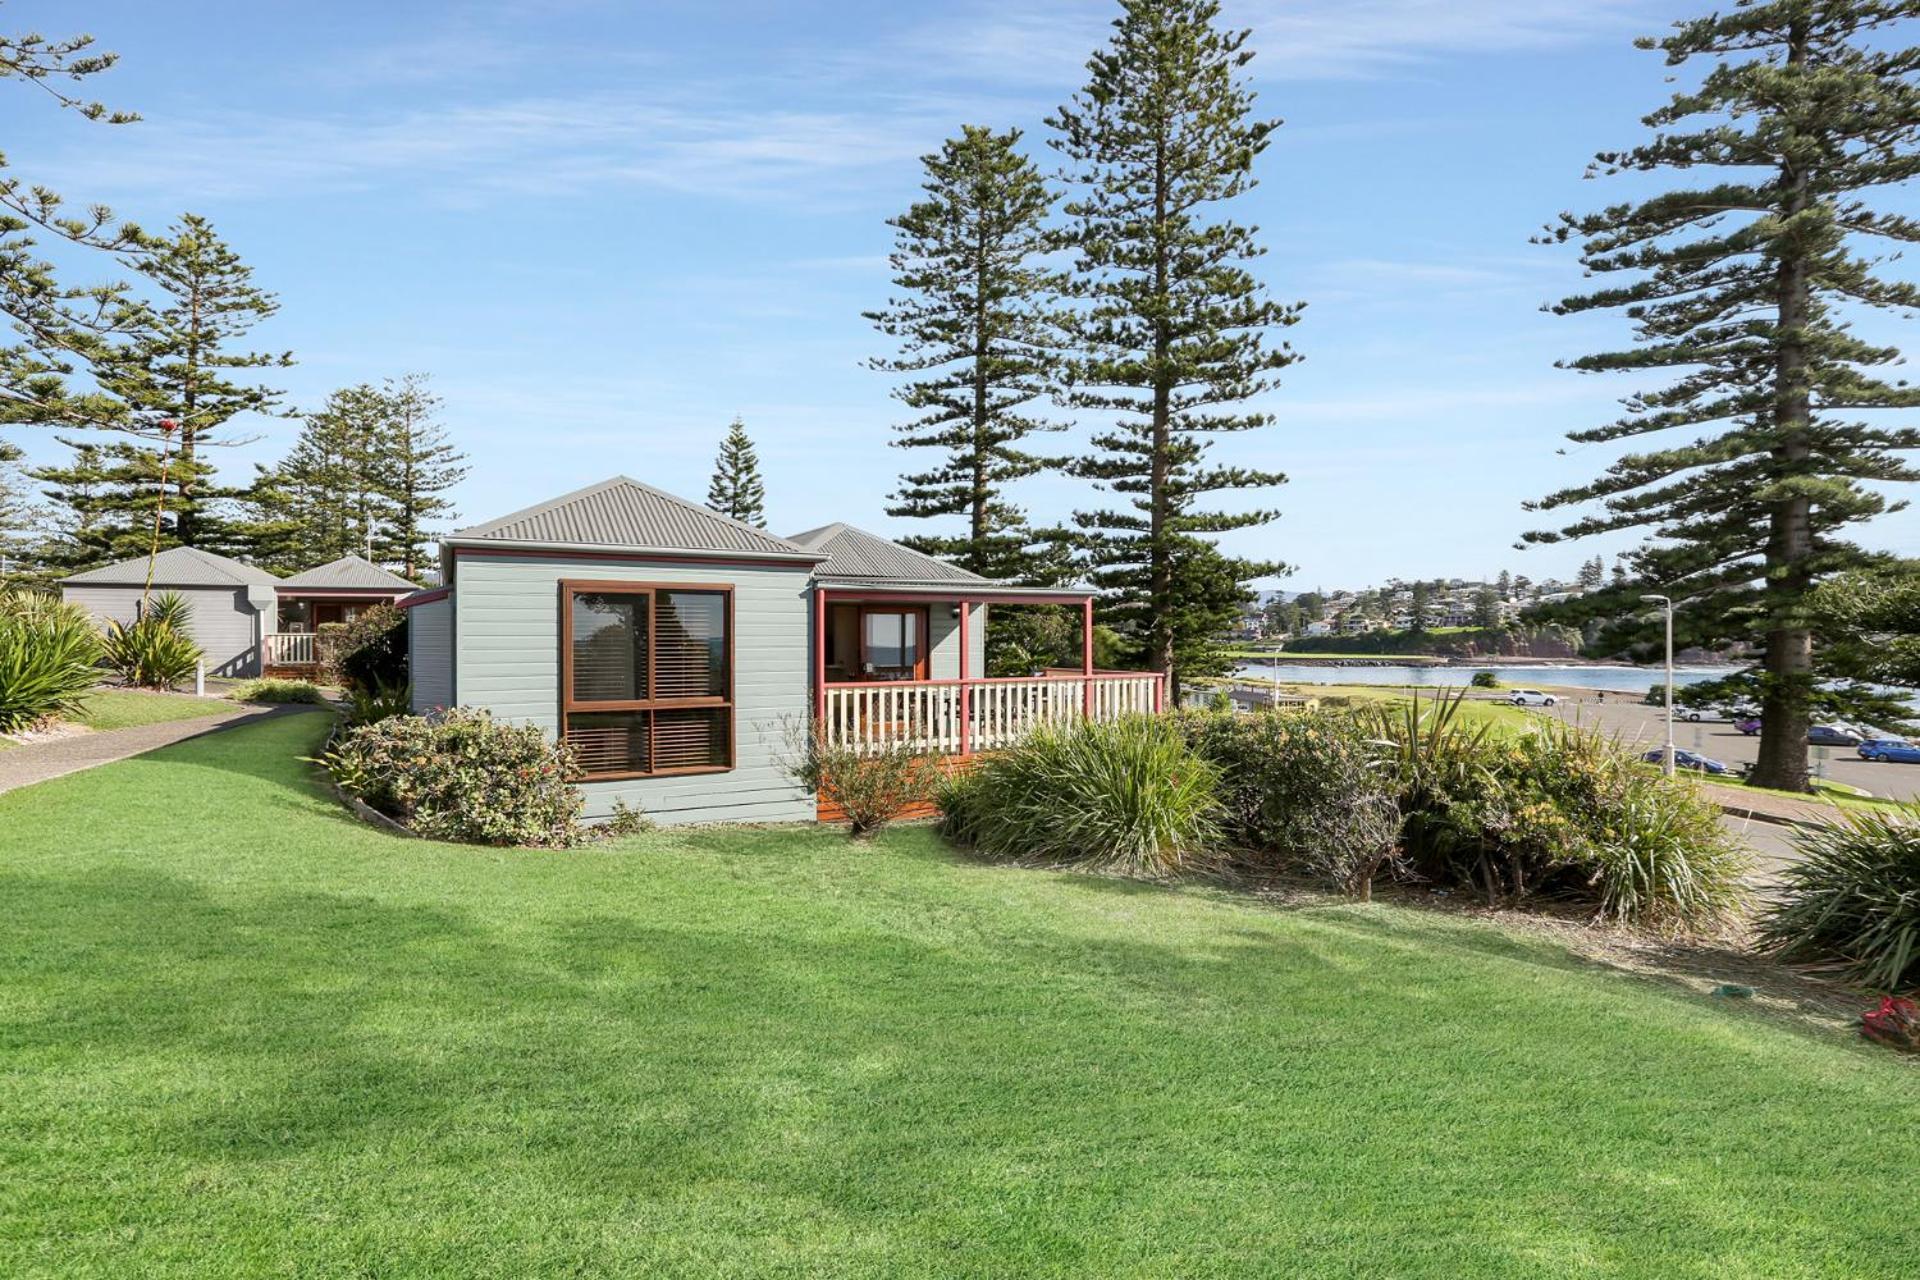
[953, 717]
[289, 649]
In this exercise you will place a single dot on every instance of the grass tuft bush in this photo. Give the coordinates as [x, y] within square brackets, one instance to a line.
[462, 775]
[1305, 792]
[1130, 796]
[1852, 901]
[47, 653]
[278, 691]
[1557, 809]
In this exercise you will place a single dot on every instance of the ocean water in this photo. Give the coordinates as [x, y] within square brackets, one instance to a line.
[1533, 675]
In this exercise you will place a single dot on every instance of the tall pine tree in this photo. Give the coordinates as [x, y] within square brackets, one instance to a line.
[1173, 329]
[978, 331]
[116, 498]
[176, 360]
[413, 464]
[325, 499]
[736, 489]
[1737, 285]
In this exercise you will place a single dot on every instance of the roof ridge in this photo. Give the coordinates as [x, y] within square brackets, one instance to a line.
[622, 511]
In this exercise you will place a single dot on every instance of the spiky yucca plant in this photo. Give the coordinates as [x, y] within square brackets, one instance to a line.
[47, 653]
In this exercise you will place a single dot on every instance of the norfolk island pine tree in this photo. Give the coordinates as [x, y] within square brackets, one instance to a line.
[1738, 287]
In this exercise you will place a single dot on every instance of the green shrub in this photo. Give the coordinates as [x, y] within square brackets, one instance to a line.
[872, 787]
[372, 649]
[150, 652]
[1557, 809]
[278, 691]
[1485, 680]
[461, 775]
[1853, 898]
[327, 640]
[1304, 791]
[1130, 796]
[47, 653]
[625, 820]
[367, 704]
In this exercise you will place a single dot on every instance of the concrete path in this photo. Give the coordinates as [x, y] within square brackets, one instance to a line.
[33, 762]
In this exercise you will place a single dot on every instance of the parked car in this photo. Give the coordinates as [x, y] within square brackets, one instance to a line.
[1532, 698]
[1896, 750]
[1832, 735]
[1684, 759]
[1748, 725]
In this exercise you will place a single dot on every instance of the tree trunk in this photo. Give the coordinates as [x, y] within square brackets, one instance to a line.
[977, 531]
[1160, 552]
[186, 523]
[1785, 698]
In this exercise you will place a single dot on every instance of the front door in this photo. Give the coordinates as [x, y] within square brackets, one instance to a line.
[326, 613]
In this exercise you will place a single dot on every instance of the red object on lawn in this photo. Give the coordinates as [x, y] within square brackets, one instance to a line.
[1896, 1022]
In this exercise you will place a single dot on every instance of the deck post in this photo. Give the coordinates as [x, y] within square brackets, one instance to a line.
[966, 691]
[819, 660]
[1086, 657]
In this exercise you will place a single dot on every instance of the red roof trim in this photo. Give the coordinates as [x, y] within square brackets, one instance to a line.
[649, 557]
[424, 597]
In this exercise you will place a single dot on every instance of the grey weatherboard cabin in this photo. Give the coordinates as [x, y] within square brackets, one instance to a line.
[681, 654]
[247, 621]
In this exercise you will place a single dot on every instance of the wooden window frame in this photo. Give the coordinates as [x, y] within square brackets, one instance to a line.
[571, 587]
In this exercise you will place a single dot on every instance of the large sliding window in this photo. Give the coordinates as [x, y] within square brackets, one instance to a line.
[646, 678]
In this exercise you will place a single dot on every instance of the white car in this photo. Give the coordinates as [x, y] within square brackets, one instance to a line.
[1532, 698]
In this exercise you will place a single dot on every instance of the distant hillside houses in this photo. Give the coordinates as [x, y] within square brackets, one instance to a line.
[1440, 605]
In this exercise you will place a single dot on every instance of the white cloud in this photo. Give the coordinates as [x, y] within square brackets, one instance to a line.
[534, 145]
[1297, 39]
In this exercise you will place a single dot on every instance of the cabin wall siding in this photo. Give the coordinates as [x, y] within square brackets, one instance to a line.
[506, 646]
[430, 654]
[222, 621]
[943, 641]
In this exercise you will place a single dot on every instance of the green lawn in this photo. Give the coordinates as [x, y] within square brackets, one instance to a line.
[242, 1034]
[125, 708]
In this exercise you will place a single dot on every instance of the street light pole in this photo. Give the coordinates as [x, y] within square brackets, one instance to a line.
[1667, 601]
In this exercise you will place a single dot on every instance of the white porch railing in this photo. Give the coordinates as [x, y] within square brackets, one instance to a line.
[953, 717]
[289, 649]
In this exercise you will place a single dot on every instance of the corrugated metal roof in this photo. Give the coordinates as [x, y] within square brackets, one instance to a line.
[623, 513]
[177, 567]
[349, 573]
[856, 554]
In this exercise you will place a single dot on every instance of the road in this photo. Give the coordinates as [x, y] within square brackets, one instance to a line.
[1638, 723]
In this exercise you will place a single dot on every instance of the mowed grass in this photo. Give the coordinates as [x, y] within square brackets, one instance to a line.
[125, 708]
[104, 709]
[242, 1034]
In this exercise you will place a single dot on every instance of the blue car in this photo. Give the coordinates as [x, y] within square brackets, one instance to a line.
[1898, 750]
[1684, 759]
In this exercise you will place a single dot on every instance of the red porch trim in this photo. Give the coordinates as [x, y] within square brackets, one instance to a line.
[339, 593]
[852, 595]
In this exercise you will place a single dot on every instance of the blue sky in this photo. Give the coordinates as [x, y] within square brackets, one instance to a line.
[607, 228]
